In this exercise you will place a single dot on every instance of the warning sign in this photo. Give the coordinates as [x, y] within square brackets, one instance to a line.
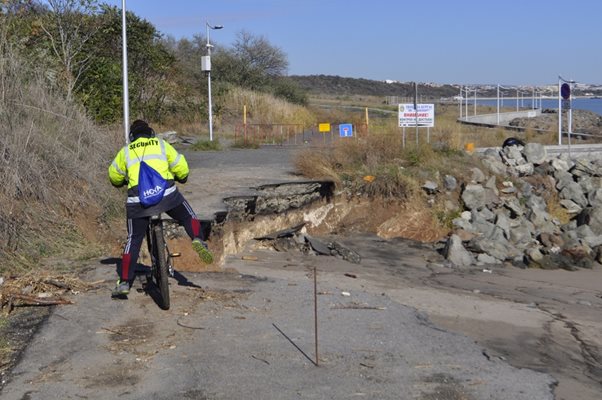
[424, 115]
[324, 127]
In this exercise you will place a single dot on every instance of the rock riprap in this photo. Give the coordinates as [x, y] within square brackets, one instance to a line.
[529, 209]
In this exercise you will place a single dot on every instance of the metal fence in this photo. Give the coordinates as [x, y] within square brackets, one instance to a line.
[269, 134]
[290, 134]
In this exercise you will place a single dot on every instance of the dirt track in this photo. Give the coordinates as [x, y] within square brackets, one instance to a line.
[248, 332]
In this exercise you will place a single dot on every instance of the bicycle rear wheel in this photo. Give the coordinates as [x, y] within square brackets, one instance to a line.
[160, 268]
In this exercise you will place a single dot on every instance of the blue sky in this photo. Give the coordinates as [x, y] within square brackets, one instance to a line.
[509, 42]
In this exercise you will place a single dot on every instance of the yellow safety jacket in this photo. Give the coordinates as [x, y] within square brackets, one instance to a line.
[158, 154]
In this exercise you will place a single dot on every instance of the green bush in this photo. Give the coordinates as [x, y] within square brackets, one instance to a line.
[206, 145]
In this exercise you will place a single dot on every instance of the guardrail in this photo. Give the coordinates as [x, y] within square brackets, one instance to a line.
[498, 119]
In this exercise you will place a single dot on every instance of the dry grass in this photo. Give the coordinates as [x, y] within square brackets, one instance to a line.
[383, 156]
[558, 212]
[379, 166]
[555, 209]
[53, 164]
[264, 108]
[316, 164]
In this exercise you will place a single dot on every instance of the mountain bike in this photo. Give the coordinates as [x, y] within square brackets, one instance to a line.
[161, 260]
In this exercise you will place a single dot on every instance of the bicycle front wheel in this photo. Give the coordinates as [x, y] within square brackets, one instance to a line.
[160, 270]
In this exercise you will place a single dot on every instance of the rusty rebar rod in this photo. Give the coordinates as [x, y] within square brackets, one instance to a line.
[316, 313]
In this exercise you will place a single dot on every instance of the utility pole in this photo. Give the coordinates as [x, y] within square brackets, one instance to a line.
[126, 96]
[416, 108]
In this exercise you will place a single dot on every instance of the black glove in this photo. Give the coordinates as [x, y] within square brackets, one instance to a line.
[182, 180]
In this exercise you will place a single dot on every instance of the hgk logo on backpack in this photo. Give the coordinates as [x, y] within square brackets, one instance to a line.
[151, 185]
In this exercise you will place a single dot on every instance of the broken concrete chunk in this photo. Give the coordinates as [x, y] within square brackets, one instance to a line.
[318, 246]
[345, 253]
[289, 232]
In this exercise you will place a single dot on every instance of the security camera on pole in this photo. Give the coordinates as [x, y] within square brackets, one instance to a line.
[206, 67]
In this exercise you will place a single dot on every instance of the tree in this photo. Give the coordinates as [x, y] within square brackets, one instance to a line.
[69, 26]
[289, 90]
[150, 69]
[188, 53]
[252, 62]
[257, 53]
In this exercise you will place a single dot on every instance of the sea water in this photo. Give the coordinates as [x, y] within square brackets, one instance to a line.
[589, 104]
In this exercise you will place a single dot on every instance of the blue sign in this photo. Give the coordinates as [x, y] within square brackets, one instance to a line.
[565, 91]
[345, 130]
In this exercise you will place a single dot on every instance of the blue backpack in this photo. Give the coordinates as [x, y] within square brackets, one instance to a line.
[151, 185]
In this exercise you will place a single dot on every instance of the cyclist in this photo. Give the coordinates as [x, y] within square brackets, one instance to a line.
[172, 166]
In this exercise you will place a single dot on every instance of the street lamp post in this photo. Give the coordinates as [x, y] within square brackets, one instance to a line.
[460, 101]
[124, 48]
[498, 104]
[206, 66]
[533, 104]
[466, 100]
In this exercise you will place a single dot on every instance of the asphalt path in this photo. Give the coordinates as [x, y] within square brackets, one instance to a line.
[216, 175]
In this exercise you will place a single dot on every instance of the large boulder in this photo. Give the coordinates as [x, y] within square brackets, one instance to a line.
[513, 204]
[492, 154]
[591, 216]
[526, 169]
[456, 253]
[478, 197]
[584, 166]
[521, 234]
[450, 183]
[513, 155]
[502, 222]
[494, 244]
[535, 153]
[570, 206]
[563, 179]
[573, 192]
[495, 166]
[477, 175]
[587, 236]
[560, 165]
[594, 197]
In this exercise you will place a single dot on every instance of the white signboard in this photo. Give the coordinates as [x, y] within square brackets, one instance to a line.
[408, 117]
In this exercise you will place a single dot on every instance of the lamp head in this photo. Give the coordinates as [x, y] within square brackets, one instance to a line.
[213, 26]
